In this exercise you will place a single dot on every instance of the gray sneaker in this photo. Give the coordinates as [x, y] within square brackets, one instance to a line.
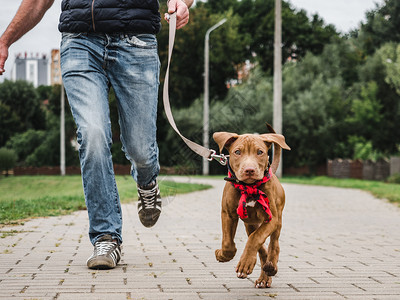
[106, 254]
[149, 204]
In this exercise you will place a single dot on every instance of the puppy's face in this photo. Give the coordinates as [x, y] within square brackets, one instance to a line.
[248, 157]
[249, 153]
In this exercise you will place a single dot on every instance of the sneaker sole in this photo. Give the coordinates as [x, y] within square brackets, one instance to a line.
[149, 220]
[100, 264]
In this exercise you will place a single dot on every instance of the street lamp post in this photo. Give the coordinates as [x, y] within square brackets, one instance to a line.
[62, 132]
[206, 94]
[277, 114]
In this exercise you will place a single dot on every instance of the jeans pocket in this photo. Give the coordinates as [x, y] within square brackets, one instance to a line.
[68, 37]
[144, 41]
[71, 35]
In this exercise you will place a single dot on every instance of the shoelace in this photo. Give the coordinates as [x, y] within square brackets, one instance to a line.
[102, 248]
[147, 197]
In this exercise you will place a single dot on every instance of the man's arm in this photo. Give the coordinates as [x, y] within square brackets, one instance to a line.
[181, 7]
[28, 15]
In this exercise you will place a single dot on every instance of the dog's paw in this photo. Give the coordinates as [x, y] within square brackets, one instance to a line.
[270, 269]
[224, 256]
[263, 282]
[246, 265]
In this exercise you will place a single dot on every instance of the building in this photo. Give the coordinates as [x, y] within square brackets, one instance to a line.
[55, 69]
[34, 69]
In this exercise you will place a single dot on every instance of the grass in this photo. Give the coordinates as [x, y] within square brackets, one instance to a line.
[379, 189]
[24, 197]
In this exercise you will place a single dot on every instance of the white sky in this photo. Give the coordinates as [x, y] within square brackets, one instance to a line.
[344, 14]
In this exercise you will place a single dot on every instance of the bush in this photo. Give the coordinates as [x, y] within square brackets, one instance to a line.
[24, 144]
[8, 158]
[363, 149]
[395, 178]
[38, 148]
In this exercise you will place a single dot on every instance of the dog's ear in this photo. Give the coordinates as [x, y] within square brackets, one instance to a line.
[271, 130]
[224, 139]
[279, 142]
[275, 138]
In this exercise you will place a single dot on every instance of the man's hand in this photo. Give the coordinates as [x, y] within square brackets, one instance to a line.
[29, 13]
[182, 12]
[3, 56]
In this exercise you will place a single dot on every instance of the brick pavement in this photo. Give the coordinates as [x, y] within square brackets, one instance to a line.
[335, 244]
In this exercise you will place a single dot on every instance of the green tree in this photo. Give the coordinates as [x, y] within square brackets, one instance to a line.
[316, 103]
[299, 34]
[8, 159]
[309, 125]
[219, 6]
[25, 143]
[363, 149]
[249, 101]
[9, 123]
[390, 57]
[54, 111]
[365, 116]
[227, 50]
[375, 69]
[382, 26]
[23, 99]
[42, 147]
[48, 152]
[44, 91]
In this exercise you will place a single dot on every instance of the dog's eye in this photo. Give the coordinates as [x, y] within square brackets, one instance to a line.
[260, 152]
[237, 152]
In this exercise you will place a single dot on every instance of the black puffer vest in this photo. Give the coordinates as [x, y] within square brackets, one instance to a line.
[110, 16]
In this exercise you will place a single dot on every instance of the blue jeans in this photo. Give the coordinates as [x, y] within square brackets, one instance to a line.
[90, 64]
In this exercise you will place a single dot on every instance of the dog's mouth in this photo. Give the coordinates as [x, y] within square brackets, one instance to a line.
[249, 179]
[247, 172]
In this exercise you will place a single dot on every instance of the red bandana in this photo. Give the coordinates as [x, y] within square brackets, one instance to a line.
[252, 191]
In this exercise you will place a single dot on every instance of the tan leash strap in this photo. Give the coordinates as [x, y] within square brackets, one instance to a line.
[200, 150]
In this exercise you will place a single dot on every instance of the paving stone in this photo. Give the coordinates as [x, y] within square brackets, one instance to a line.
[335, 244]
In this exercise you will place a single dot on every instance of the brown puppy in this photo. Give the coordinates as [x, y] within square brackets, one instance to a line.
[251, 175]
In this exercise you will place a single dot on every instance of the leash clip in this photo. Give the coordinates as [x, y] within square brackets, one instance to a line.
[221, 158]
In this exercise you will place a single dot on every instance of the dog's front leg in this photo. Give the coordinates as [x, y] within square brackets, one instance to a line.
[271, 266]
[229, 219]
[228, 250]
[255, 241]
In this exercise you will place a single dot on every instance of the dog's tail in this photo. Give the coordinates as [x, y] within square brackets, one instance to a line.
[277, 152]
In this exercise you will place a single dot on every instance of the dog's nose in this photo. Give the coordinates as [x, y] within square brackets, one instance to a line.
[249, 171]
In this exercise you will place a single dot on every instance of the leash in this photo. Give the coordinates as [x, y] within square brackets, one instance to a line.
[200, 150]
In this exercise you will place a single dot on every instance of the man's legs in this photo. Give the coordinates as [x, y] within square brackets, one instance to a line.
[87, 88]
[134, 74]
[133, 67]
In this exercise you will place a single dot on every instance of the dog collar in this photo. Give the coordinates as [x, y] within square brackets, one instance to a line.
[250, 191]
